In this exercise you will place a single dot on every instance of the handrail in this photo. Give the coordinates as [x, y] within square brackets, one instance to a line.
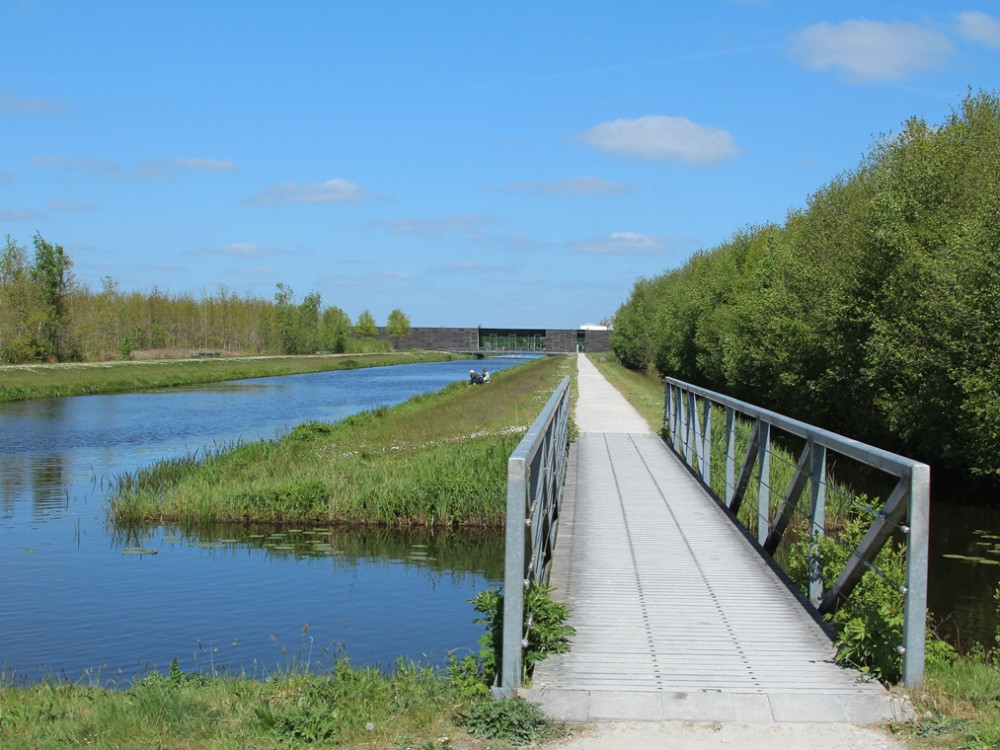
[688, 430]
[535, 474]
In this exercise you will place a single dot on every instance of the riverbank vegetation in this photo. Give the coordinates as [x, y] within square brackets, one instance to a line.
[19, 382]
[438, 459]
[872, 312]
[408, 706]
[48, 316]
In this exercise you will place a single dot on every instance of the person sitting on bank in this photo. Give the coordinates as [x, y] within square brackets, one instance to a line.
[475, 378]
[486, 375]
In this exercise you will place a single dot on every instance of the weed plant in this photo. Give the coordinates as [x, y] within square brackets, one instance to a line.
[438, 459]
[549, 633]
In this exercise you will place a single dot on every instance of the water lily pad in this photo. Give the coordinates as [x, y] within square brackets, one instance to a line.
[972, 559]
[140, 551]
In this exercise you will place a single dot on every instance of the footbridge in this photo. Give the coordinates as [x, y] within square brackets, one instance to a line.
[679, 610]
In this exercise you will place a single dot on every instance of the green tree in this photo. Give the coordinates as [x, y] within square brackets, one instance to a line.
[398, 327]
[633, 327]
[335, 329]
[53, 283]
[366, 327]
[308, 324]
[17, 305]
[286, 328]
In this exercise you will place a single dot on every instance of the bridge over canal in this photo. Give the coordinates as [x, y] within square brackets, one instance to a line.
[678, 615]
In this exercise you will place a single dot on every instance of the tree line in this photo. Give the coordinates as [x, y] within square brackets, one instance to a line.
[46, 315]
[873, 311]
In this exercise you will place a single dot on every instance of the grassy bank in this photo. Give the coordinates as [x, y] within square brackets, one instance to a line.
[20, 382]
[413, 707]
[437, 459]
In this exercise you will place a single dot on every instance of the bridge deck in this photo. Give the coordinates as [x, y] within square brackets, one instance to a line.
[677, 614]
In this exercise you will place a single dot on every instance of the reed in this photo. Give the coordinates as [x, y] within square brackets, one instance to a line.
[438, 459]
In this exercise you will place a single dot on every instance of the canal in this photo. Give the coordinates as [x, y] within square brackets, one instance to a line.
[80, 599]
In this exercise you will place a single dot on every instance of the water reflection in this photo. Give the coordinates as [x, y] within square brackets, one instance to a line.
[77, 597]
[453, 552]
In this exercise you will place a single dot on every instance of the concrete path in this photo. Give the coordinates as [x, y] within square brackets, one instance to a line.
[677, 615]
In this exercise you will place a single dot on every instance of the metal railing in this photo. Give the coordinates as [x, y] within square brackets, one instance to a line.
[688, 425]
[536, 471]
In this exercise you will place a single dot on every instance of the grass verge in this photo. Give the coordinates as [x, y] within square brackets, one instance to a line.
[21, 382]
[437, 459]
[411, 706]
[958, 706]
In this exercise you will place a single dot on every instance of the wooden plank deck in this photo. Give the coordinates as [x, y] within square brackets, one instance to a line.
[677, 615]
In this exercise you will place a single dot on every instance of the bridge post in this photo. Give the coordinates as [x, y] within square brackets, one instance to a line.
[763, 482]
[514, 583]
[915, 604]
[730, 455]
[817, 521]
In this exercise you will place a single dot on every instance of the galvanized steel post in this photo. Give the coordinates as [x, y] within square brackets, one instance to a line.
[535, 476]
[915, 606]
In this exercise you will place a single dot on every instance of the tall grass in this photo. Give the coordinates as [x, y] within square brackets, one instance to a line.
[437, 459]
[412, 706]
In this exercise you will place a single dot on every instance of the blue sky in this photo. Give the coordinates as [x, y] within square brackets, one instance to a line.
[471, 163]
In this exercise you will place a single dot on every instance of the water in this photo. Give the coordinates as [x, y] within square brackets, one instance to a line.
[964, 560]
[80, 599]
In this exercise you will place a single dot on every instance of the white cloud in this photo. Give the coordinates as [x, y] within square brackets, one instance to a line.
[625, 243]
[333, 191]
[12, 105]
[147, 169]
[477, 268]
[102, 167]
[871, 50]
[247, 250]
[469, 223]
[570, 186]
[205, 165]
[978, 26]
[19, 214]
[662, 138]
[255, 271]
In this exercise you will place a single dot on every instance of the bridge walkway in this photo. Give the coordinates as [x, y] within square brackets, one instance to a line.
[677, 615]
